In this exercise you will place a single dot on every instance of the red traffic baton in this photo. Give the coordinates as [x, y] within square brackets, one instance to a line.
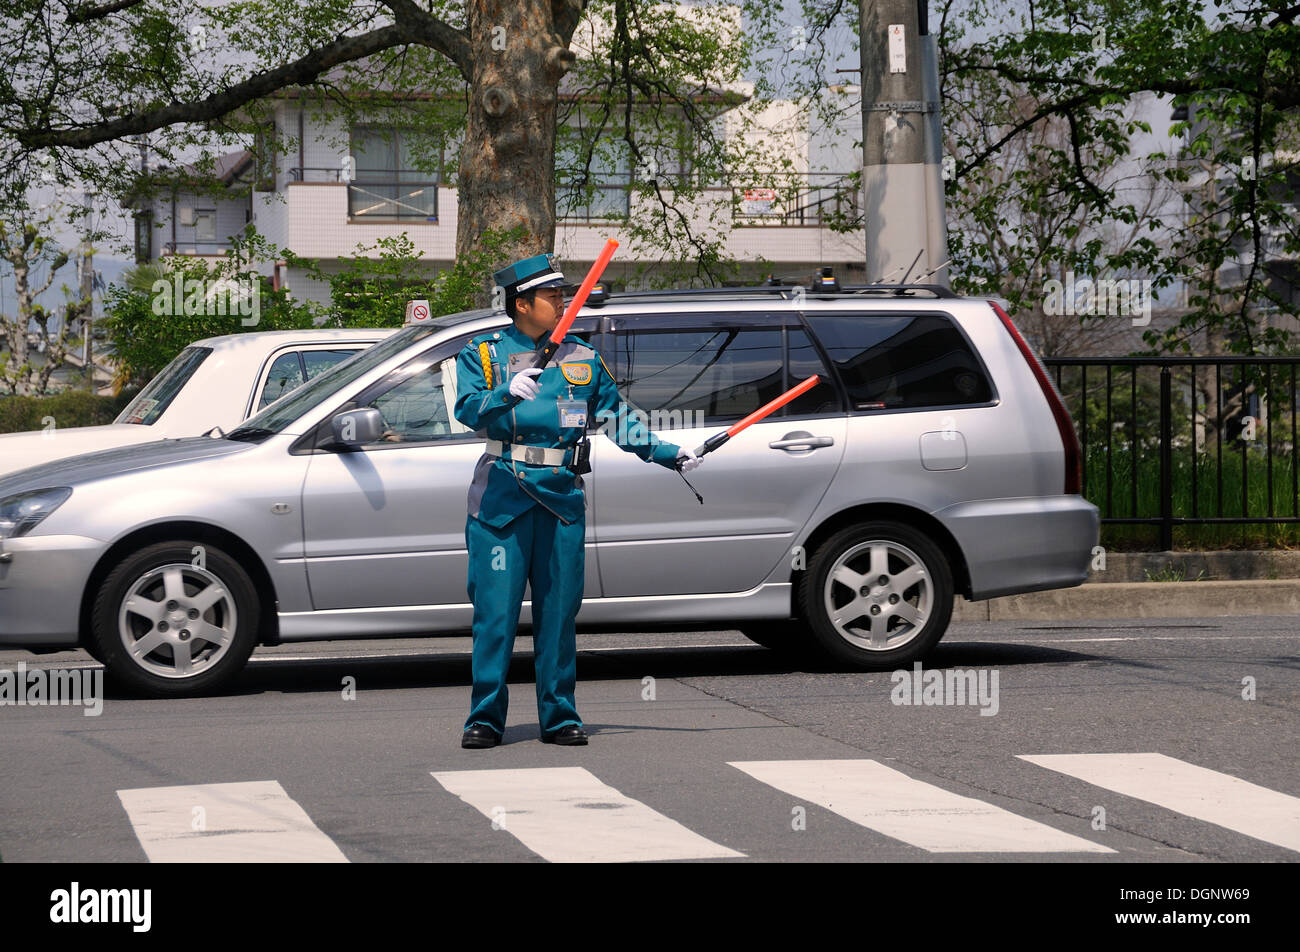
[548, 349]
[713, 442]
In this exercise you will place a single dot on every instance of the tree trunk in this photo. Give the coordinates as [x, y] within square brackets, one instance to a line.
[23, 292]
[507, 165]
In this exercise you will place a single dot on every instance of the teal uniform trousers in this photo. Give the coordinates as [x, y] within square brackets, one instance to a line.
[527, 521]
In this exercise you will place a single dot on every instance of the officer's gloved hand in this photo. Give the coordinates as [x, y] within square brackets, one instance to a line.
[522, 384]
[686, 460]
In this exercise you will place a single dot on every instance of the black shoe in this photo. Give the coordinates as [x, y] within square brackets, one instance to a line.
[480, 736]
[571, 736]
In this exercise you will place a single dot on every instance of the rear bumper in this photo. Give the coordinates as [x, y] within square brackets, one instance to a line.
[41, 585]
[1026, 544]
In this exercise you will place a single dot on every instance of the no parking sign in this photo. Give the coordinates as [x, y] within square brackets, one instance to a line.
[417, 312]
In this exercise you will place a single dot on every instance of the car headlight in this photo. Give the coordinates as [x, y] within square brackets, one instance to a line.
[23, 512]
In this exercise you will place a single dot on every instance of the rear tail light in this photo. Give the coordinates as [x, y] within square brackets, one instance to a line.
[1064, 425]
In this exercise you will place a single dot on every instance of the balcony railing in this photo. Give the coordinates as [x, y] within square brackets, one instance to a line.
[214, 246]
[369, 197]
[813, 199]
[809, 199]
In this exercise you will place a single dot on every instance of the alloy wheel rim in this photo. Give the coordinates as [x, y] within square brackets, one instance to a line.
[878, 595]
[177, 620]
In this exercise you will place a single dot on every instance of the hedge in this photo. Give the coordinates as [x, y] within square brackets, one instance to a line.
[69, 408]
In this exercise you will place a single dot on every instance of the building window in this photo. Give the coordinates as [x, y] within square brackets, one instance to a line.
[587, 191]
[205, 224]
[144, 236]
[386, 182]
[265, 158]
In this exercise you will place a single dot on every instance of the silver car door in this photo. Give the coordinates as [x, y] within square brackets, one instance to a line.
[694, 375]
[385, 526]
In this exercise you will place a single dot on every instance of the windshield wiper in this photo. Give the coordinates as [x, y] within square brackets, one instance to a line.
[250, 434]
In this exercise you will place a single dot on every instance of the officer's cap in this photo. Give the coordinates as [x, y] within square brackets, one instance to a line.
[539, 271]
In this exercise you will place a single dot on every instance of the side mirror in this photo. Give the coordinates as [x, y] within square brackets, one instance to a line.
[357, 427]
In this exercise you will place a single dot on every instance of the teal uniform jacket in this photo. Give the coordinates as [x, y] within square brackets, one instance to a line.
[502, 489]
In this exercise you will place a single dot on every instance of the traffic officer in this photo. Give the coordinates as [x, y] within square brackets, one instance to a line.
[527, 511]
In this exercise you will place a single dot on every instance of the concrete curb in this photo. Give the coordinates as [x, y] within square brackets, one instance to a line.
[1139, 600]
[1216, 566]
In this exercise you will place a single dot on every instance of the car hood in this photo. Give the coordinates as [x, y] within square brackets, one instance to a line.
[115, 462]
[34, 447]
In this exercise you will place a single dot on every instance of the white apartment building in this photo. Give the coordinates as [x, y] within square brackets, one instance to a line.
[333, 187]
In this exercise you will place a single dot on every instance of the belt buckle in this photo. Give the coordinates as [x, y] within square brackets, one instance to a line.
[534, 454]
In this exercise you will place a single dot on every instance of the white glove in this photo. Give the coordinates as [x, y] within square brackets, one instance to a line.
[522, 384]
[688, 460]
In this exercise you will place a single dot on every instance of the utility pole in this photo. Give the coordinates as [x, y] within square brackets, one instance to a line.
[902, 144]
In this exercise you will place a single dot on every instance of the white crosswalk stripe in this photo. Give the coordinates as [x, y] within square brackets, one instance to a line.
[251, 822]
[918, 813]
[1198, 792]
[566, 814]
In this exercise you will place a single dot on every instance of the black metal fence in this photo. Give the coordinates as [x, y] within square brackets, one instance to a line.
[1186, 441]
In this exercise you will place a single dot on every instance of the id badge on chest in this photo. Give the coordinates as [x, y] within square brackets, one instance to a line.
[573, 414]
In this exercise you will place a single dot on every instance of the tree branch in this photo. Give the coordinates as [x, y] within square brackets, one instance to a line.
[86, 12]
[428, 30]
[413, 26]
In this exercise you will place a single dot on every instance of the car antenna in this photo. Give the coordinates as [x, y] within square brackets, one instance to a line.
[911, 266]
[881, 279]
[919, 277]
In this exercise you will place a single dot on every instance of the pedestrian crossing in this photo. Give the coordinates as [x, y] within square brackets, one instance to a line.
[253, 822]
[569, 814]
[920, 814]
[1207, 795]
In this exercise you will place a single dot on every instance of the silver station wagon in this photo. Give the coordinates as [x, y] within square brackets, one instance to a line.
[934, 457]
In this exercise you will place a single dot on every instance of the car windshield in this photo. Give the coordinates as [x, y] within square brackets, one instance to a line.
[288, 408]
[157, 396]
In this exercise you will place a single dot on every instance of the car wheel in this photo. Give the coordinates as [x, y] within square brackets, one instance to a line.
[877, 595]
[166, 627]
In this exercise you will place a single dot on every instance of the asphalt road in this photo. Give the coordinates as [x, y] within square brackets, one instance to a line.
[703, 746]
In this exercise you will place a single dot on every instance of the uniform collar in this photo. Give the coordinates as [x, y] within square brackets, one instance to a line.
[519, 337]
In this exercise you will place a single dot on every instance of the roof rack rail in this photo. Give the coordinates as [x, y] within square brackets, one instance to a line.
[785, 292]
[938, 290]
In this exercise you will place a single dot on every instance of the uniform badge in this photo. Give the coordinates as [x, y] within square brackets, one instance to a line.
[576, 373]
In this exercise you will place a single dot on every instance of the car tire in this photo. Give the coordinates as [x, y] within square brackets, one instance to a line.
[877, 595]
[153, 611]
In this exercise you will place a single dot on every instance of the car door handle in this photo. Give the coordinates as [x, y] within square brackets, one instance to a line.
[800, 440]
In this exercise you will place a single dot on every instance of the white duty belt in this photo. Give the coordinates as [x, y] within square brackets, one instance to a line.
[526, 453]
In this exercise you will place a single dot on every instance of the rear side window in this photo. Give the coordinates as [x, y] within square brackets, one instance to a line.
[902, 361]
[285, 375]
[155, 398]
[318, 360]
[699, 376]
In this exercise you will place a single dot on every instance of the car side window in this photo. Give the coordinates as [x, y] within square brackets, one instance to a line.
[285, 376]
[318, 361]
[701, 376]
[902, 361]
[416, 400]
